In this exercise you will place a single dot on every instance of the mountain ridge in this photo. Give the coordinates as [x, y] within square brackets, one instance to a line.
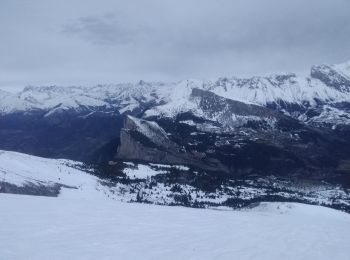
[169, 97]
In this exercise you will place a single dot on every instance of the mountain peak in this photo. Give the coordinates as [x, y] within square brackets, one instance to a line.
[335, 76]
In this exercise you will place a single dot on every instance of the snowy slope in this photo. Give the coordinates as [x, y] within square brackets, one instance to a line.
[69, 228]
[10, 102]
[24, 170]
[86, 221]
[344, 69]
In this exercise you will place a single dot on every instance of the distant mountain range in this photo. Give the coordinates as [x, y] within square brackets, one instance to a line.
[327, 87]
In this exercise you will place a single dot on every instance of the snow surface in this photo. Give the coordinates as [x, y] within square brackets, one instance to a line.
[343, 68]
[140, 172]
[72, 228]
[21, 169]
[89, 223]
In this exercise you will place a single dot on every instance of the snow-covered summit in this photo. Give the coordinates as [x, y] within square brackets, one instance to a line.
[334, 76]
[344, 68]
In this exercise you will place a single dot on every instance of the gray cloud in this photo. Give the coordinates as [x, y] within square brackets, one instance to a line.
[89, 42]
[103, 29]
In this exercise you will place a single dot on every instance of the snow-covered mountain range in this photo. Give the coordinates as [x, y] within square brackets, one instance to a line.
[325, 88]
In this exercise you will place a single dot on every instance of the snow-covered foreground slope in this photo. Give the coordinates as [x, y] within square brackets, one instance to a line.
[87, 220]
[76, 228]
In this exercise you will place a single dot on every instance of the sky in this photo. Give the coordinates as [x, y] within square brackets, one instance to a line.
[83, 42]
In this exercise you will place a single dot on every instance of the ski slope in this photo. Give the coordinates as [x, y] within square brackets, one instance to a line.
[93, 228]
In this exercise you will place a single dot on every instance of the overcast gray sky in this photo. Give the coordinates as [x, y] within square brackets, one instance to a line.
[82, 42]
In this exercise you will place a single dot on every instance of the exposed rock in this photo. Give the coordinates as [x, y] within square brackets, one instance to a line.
[146, 141]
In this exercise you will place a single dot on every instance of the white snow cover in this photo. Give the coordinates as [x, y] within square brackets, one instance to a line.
[19, 169]
[85, 223]
[343, 68]
[71, 228]
[294, 90]
[140, 171]
[22, 169]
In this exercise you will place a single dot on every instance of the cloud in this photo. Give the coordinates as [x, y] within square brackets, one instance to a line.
[89, 42]
[104, 29]
[212, 29]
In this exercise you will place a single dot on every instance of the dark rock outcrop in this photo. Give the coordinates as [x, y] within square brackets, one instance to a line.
[146, 141]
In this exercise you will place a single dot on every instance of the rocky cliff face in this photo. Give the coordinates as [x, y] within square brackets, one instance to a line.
[146, 141]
